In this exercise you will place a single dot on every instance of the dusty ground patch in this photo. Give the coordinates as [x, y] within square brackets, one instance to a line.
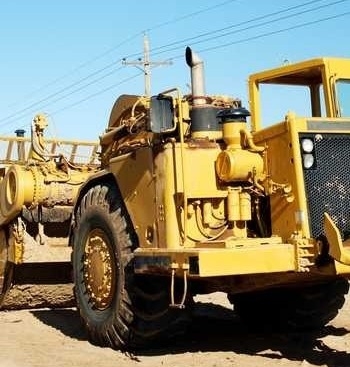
[38, 338]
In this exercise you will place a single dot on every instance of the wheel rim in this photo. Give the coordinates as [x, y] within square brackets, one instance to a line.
[99, 269]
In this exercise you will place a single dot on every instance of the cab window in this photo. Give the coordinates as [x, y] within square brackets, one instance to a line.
[343, 97]
[279, 99]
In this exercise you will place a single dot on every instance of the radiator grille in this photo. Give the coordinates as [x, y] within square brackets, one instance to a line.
[328, 184]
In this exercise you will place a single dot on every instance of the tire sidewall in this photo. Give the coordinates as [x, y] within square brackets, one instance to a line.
[92, 218]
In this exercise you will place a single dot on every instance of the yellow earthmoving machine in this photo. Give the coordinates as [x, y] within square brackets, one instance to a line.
[190, 199]
[39, 181]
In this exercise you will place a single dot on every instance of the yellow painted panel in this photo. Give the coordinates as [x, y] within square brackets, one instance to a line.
[259, 259]
[134, 174]
[284, 167]
[253, 259]
[341, 268]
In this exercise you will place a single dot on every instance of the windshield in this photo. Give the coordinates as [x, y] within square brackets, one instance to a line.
[279, 99]
[343, 94]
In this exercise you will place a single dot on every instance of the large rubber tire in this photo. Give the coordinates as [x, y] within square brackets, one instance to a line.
[118, 308]
[302, 308]
[6, 267]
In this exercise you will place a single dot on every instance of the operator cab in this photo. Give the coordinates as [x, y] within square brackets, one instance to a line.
[314, 88]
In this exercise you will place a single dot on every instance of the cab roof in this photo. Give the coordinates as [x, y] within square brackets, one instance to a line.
[304, 72]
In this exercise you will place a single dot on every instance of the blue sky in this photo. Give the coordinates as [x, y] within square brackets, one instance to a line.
[64, 57]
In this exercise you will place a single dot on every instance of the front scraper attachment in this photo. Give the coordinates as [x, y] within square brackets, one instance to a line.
[39, 182]
[339, 250]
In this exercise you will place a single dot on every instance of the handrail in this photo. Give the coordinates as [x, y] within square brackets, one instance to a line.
[17, 149]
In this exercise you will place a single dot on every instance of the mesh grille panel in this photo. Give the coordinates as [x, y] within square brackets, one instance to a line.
[328, 185]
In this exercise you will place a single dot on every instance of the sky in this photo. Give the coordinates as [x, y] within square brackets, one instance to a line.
[65, 58]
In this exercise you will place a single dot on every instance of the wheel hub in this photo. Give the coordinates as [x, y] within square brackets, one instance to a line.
[99, 269]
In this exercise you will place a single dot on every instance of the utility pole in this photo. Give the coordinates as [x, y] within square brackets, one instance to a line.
[145, 64]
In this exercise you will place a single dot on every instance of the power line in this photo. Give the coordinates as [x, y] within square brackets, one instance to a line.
[13, 117]
[236, 25]
[97, 93]
[275, 32]
[201, 41]
[190, 15]
[146, 64]
[91, 96]
[178, 42]
[247, 40]
[249, 27]
[125, 41]
[81, 66]
[62, 97]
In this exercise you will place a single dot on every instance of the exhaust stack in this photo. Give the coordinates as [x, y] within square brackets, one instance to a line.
[204, 123]
[197, 76]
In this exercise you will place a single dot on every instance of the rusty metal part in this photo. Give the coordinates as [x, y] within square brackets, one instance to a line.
[99, 269]
[6, 268]
[30, 296]
[3, 257]
[38, 285]
[31, 186]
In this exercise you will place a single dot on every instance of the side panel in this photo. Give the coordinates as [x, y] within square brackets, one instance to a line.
[288, 217]
[183, 176]
[134, 174]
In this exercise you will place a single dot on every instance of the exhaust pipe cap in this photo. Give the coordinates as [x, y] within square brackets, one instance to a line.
[192, 59]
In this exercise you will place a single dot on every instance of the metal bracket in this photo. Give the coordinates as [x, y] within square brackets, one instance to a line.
[172, 287]
[18, 229]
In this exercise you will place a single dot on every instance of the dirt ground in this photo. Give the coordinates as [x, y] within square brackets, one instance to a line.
[217, 338]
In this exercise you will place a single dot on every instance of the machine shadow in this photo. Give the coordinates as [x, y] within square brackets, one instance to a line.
[65, 320]
[216, 328]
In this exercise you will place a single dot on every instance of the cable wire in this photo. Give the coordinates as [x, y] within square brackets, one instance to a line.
[179, 42]
[253, 38]
[235, 25]
[11, 118]
[190, 15]
[81, 66]
[97, 93]
[125, 41]
[277, 31]
[247, 28]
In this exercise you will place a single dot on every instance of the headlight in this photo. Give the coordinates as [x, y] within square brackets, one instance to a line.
[308, 160]
[307, 145]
